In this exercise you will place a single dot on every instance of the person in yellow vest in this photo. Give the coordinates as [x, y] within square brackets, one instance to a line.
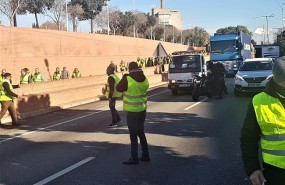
[265, 124]
[122, 66]
[56, 74]
[112, 94]
[38, 76]
[2, 75]
[134, 87]
[26, 76]
[6, 99]
[76, 73]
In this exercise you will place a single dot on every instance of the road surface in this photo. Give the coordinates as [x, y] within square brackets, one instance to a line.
[191, 143]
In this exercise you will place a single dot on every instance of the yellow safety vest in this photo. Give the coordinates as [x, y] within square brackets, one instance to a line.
[37, 78]
[56, 76]
[116, 94]
[1, 78]
[3, 93]
[24, 79]
[270, 115]
[76, 75]
[135, 99]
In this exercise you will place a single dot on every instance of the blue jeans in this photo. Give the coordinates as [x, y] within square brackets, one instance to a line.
[135, 121]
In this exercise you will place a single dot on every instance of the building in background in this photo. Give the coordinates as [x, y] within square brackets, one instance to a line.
[168, 16]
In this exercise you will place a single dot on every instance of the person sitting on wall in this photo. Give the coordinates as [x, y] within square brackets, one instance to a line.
[38, 76]
[76, 73]
[57, 74]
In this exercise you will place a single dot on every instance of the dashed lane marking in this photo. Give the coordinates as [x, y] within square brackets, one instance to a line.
[67, 121]
[195, 104]
[62, 172]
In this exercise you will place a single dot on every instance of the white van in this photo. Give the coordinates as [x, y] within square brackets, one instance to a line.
[182, 69]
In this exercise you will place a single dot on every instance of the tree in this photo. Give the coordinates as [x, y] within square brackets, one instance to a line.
[56, 12]
[197, 36]
[53, 26]
[75, 12]
[36, 7]
[233, 29]
[114, 19]
[9, 8]
[280, 41]
[140, 23]
[91, 9]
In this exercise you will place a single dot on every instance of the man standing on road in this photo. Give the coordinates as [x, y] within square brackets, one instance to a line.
[265, 123]
[112, 94]
[6, 99]
[2, 75]
[134, 87]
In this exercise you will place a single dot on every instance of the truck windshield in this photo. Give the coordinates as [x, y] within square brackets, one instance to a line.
[256, 66]
[224, 46]
[185, 64]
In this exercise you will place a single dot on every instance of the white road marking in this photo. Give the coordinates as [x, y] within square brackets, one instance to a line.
[67, 121]
[62, 172]
[195, 104]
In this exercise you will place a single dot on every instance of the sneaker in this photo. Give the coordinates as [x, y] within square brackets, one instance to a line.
[112, 125]
[145, 158]
[131, 161]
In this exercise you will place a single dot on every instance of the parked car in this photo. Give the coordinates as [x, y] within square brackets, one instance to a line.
[253, 75]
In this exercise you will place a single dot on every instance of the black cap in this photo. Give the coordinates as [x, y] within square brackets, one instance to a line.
[7, 74]
[133, 65]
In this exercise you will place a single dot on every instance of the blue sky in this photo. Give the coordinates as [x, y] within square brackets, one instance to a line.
[209, 14]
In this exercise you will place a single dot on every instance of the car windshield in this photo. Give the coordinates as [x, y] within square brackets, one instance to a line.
[185, 63]
[224, 46]
[256, 66]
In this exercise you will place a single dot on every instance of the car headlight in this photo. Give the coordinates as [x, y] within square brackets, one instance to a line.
[268, 78]
[237, 77]
[172, 81]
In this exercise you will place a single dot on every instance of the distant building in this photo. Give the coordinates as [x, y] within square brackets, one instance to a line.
[167, 16]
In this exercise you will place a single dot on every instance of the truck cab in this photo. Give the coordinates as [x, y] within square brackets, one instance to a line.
[182, 69]
[230, 49]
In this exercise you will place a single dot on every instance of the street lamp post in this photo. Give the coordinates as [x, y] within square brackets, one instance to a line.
[134, 21]
[66, 15]
[108, 21]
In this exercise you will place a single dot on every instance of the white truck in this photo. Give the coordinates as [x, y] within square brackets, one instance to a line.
[182, 69]
[267, 51]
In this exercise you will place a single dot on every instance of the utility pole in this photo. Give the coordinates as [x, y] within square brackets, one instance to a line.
[134, 21]
[267, 29]
[108, 15]
[66, 12]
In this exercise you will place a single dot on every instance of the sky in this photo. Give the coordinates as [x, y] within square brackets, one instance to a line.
[208, 14]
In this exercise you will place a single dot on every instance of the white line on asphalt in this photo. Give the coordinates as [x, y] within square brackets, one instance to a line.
[62, 172]
[67, 121]
[195, 104]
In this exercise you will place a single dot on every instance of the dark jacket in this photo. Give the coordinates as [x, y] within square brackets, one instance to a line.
[111, 82]
[136, 74]
[250, 133]
[8, 90]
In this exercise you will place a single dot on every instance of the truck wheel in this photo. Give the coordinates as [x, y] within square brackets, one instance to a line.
[174, 92]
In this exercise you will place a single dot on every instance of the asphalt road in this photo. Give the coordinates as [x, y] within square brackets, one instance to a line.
[191, 143]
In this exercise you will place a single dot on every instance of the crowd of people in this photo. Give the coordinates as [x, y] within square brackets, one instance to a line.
[143, 63]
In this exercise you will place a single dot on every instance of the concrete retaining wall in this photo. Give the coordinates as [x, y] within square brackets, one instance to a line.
[91, 53]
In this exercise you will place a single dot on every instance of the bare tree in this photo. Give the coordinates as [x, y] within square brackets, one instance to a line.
[9, 8]
[115, 21]
[53, 26]
[56, 12]
[75, 13]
